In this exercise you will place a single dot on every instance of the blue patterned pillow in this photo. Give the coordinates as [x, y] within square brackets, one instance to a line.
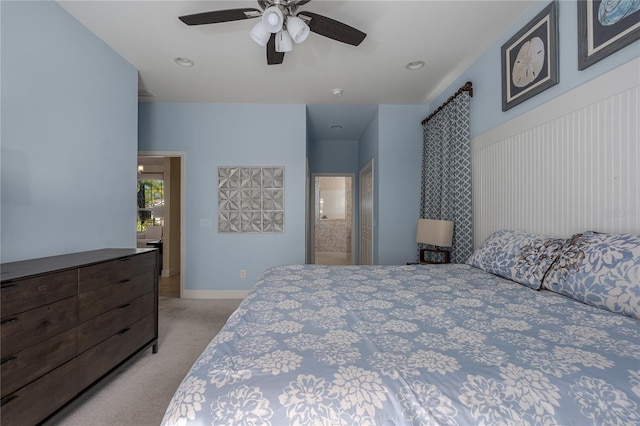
[519, 256]
[601, 270]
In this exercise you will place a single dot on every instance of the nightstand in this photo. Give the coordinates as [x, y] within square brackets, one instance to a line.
[446, 256]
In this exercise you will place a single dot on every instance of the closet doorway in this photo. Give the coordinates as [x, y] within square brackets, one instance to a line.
[333, 225]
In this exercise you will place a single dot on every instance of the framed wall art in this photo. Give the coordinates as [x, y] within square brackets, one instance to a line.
[604, 27]
[251, 199]
[530, 58]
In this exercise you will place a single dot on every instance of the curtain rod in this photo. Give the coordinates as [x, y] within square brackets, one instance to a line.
[466, 88]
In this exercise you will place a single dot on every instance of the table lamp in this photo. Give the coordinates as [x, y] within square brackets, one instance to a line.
[438, 233]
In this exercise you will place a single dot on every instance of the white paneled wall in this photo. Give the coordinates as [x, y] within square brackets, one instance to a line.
[570, 165]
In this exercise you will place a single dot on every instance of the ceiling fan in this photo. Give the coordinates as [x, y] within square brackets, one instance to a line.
[281, 25]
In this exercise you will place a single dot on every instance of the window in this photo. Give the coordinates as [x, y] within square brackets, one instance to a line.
[150, 203]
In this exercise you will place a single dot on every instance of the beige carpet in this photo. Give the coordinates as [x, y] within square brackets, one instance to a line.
[140, 394]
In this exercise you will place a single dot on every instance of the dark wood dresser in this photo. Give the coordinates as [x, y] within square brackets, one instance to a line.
[70, 321]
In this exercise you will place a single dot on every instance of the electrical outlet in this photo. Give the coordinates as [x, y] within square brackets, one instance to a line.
[243, 274]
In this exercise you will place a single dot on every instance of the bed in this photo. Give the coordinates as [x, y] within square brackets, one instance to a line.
[533, 330]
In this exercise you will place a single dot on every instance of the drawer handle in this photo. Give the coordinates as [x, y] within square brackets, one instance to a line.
[7, 399]
[124, 306]
[8, 360]
[124, 281]
[9, 321]
[123, 331]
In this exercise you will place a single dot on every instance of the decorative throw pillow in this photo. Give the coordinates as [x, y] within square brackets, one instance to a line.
[601, 270]
[519, 256]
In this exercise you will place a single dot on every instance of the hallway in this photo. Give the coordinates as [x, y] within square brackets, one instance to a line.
[169, 286]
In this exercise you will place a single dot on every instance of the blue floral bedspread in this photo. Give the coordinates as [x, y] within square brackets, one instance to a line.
[415, 345]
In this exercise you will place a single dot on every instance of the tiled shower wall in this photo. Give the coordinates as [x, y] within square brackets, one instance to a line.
[333, 235]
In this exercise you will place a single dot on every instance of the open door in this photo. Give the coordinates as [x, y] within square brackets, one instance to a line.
[366, 214]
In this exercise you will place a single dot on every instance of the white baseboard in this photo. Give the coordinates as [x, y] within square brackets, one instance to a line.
[214, 294]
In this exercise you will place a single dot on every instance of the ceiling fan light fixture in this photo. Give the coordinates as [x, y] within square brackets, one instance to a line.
[272, 18]
[283, 42]
[298, 29]
[260, 34]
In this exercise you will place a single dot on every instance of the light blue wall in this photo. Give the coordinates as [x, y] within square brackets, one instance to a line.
[399, 170]
[486, 104]
[334, 156]
[221, 135]
[69, 130]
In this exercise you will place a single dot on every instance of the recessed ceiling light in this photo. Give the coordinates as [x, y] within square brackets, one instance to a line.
[184, 62]
[336, 127]
[415, 65]
[337, 92]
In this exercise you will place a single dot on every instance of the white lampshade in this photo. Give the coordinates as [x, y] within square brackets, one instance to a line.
[273, 19]
[297, 29]
[283, 42]
[260, 34]
[435, 232]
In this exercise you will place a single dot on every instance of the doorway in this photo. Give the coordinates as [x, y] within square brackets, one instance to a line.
[333, 219]
[167, 169]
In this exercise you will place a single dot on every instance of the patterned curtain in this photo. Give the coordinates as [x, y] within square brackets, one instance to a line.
[446, 173]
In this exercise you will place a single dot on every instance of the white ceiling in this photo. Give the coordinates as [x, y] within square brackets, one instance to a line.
[231, 68]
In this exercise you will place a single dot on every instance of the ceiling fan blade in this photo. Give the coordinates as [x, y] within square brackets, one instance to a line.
[218, 16]
[333, 29]
[273, 57]
[302, 2]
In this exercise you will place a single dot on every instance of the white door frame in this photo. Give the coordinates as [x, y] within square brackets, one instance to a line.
[181, 155]
[312, 215]
[363, 211]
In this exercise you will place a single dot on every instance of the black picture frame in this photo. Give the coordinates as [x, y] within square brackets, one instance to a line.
[530, 58]
[597, 41]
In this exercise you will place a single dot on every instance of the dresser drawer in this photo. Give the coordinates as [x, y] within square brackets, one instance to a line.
[98, 301]
[101, 358]
[23, 295]
[27, 365]
[97, 329]
[34, 402]
[27, 328]
[107, 273]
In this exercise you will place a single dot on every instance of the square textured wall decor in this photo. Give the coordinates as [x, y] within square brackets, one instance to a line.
[251, 199]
